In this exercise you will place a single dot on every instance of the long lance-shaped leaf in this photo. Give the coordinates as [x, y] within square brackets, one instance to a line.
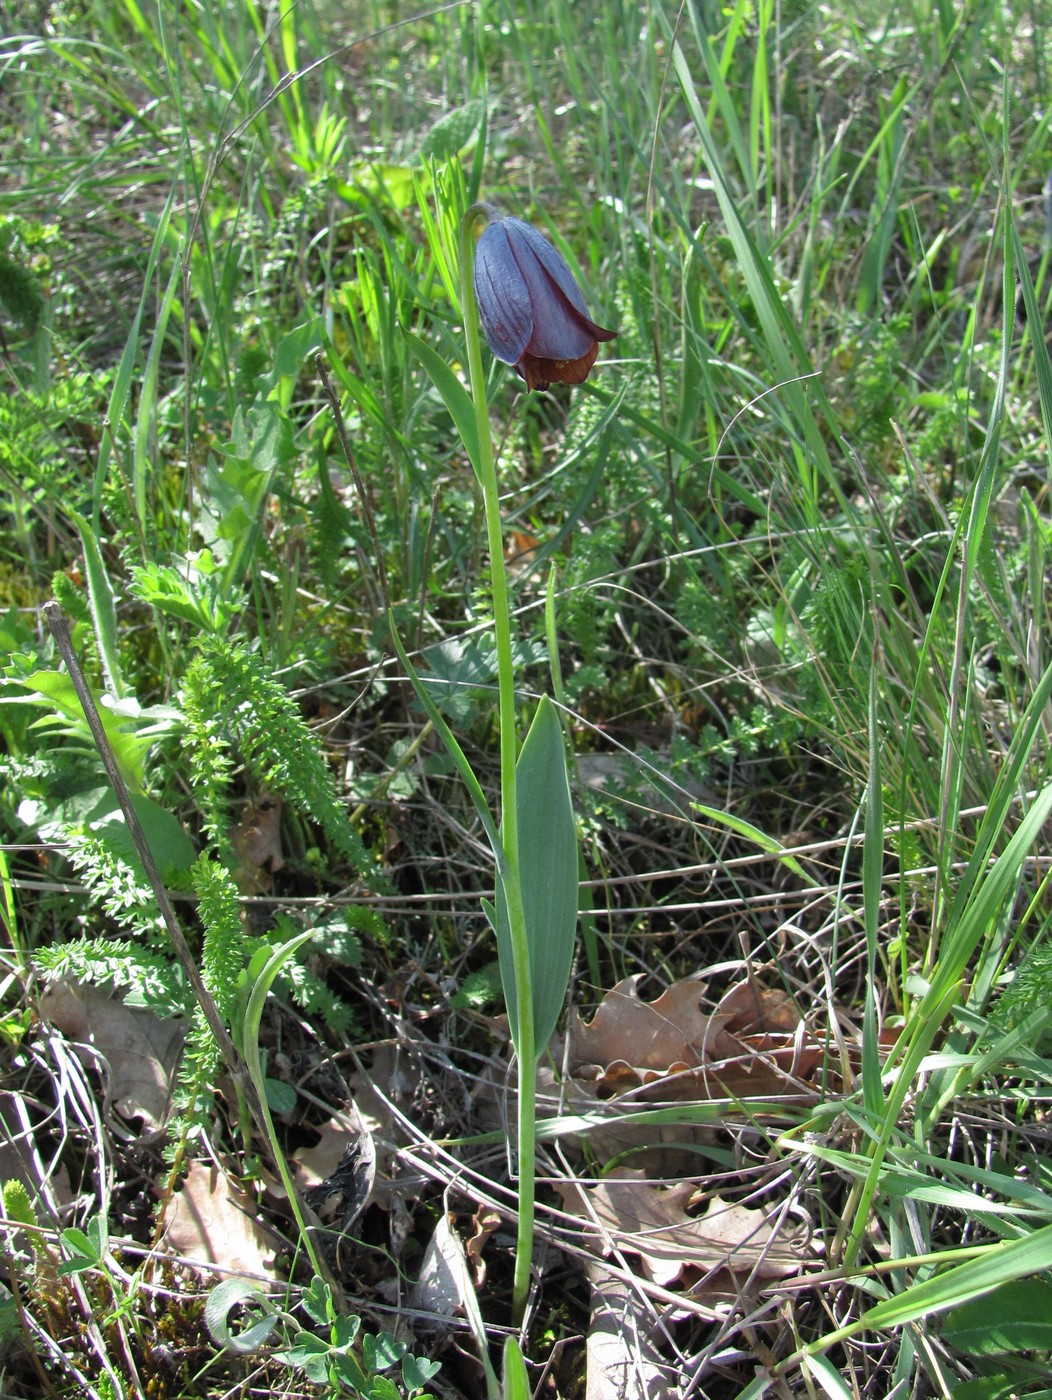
[1002, 1262]
[102, 601]
[264, 979]
[548, 868]
[120, 393]
[454, 395]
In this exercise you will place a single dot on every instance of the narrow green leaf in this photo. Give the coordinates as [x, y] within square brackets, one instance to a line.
[103, 604]
[965, 926]
[885, 215]
[1000, 1264]
[249, 1047]
[146, 410]
[721, 99]
[782, 342]
[872, 888]
[1036, 326]
[756, 1388]
[122, 381]
[257, 999]
[992, 893]
[744, 828]
[827, 1377]
[455, 397]
[516, 1380]
[549, 871]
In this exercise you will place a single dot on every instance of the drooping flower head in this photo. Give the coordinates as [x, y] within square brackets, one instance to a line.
[531, 309]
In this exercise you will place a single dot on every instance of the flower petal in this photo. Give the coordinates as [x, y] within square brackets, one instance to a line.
[501, 294]
[551, 336]
[551, 260]
[539, 373]
[561, 328]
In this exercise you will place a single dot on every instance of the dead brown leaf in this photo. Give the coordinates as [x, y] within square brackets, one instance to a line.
[140, 1049]
[627, 1212]
[338, 1172]
[754, 1045]
[444, 1286]
[485, 1220]
[257, 844]
[312, 1165]
[650, 1034]
[211, 1221]
[752, 1009]
[624, 1355]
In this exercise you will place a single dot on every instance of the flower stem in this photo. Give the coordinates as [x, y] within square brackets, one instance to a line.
[508, 869]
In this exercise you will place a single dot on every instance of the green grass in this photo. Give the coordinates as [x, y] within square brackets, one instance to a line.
[798, 521]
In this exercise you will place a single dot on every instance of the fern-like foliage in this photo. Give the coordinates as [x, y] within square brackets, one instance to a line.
[236, 713]
[116, 886]
[230, 703]
[150, 978]
[1029, 990]
[222, 961]
[225, 945]
[354, 919]
[211, 760]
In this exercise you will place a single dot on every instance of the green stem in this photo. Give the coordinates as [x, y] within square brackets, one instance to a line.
[508, 856]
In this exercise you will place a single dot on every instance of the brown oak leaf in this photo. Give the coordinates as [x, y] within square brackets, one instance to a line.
[140, 1049]
[628, 1212]
[209, 1220]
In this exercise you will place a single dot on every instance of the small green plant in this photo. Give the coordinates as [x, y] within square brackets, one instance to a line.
[88, 1250]
[71, 1281]
[234, 708]
[534, 317]
[1028, 997]
[343, 1360]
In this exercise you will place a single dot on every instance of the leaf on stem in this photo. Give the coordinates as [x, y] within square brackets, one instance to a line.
[549, 873]
[455, 397]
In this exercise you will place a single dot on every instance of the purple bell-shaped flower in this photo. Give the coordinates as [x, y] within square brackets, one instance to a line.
[531, 309]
